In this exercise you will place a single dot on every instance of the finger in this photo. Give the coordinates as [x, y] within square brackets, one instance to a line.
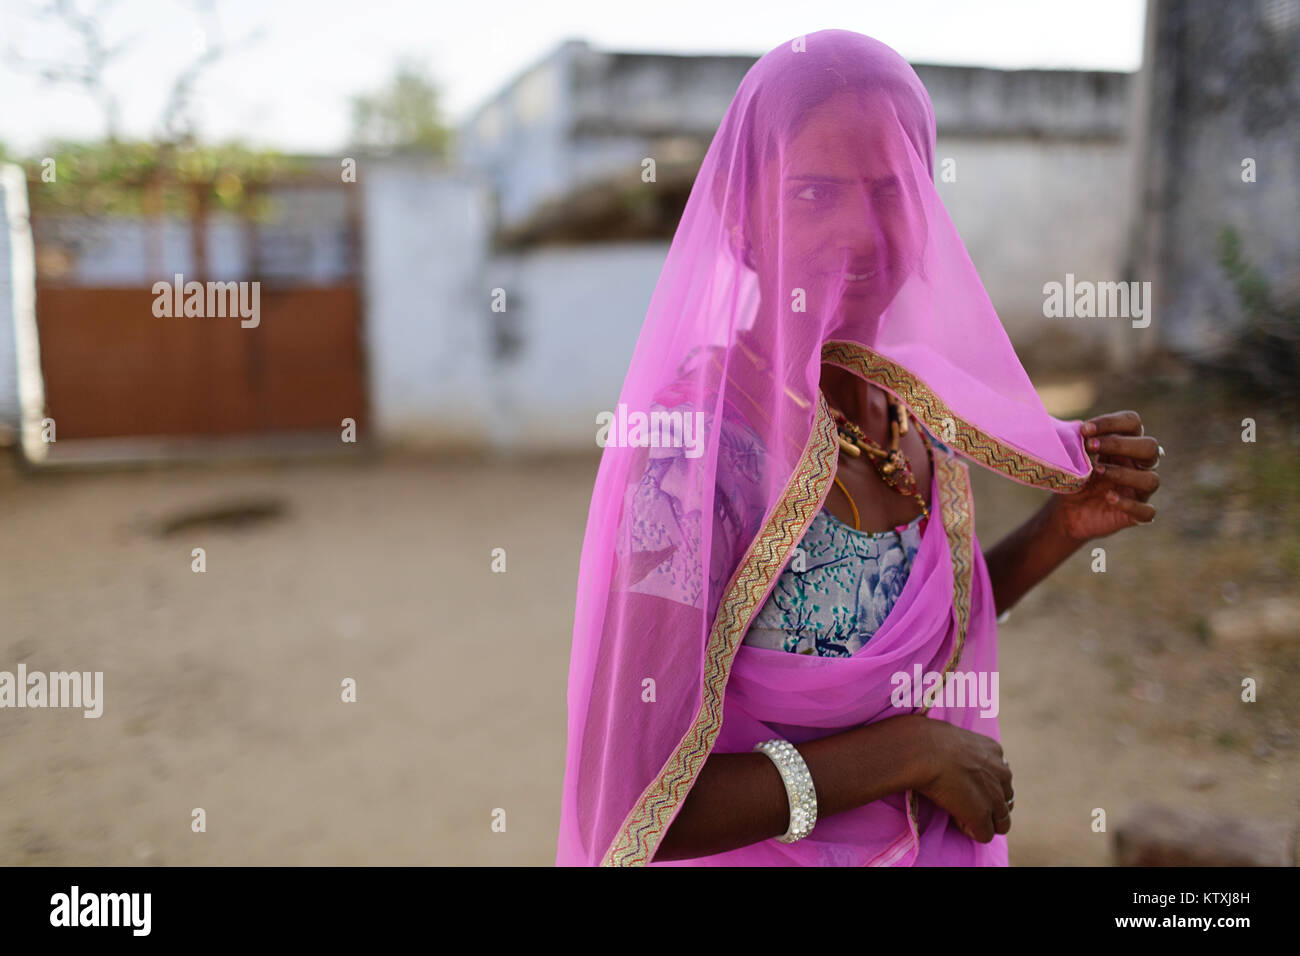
[1124, 462]
[1003, 823]
[996, 797]
[1140, 480]
[1139, 511]
[1114, 460]
[1139, 450]
[1002, 770]
[979, 824]
[1125, 423]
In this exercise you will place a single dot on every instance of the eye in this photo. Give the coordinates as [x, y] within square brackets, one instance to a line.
[817, 192]
[888, 189]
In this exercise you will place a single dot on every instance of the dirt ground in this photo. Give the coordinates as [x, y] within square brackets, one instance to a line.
[222, 689]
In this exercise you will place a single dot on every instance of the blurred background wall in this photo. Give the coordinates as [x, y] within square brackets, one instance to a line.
[13, 191]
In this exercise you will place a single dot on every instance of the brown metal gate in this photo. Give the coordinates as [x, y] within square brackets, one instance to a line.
[113, 369]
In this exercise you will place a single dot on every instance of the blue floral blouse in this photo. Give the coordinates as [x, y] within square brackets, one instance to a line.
[838, 588]
[833, 595]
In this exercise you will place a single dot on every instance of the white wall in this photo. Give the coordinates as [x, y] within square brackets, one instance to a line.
[427, 299]
[1029, 211]
[435, 374]
[580, 311]
[16, 287]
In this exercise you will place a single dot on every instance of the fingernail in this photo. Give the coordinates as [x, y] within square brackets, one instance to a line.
[1094, 443]
[1112, 497]
[1100, 467]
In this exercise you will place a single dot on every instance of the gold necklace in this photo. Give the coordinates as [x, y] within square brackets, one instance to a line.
[891, 464]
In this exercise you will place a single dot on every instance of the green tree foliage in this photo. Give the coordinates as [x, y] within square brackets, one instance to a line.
[109, 177]
[405, 115]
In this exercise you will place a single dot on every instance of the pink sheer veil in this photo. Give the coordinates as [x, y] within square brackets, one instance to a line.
[813, 234]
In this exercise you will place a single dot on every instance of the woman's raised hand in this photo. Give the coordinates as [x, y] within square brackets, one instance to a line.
[1122, 481]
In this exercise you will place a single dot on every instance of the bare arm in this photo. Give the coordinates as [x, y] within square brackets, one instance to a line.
[1114, 497]
[739, 799]
[1027, 555]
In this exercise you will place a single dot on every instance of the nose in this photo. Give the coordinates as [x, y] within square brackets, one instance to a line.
[855, 229]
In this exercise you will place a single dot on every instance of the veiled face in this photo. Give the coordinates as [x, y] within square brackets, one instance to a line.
[839, 202]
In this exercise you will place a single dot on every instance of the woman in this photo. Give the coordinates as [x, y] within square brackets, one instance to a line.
[782, 635]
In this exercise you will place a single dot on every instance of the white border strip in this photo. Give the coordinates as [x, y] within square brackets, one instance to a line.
[27, 346]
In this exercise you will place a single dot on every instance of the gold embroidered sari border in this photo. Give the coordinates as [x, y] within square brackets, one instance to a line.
[934, 412]
[763, 561]
[958, 523]
[958, 514]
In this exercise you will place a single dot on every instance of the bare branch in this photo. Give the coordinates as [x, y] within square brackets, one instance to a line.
[96, 57]
[175, 122]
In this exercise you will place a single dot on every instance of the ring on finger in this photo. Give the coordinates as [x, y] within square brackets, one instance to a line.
[1155, 462]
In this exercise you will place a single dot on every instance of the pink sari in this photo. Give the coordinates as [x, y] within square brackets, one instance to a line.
[813, 235]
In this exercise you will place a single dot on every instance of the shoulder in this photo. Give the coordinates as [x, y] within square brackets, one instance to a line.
[698, 375]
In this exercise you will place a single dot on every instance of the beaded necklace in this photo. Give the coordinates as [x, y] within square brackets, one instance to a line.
[891, 463]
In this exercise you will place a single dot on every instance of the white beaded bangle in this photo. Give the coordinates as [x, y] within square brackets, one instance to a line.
[798, 787]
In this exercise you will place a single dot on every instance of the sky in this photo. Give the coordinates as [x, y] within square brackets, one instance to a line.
[293, 65]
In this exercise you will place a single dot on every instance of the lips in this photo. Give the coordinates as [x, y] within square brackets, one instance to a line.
[860, 270]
